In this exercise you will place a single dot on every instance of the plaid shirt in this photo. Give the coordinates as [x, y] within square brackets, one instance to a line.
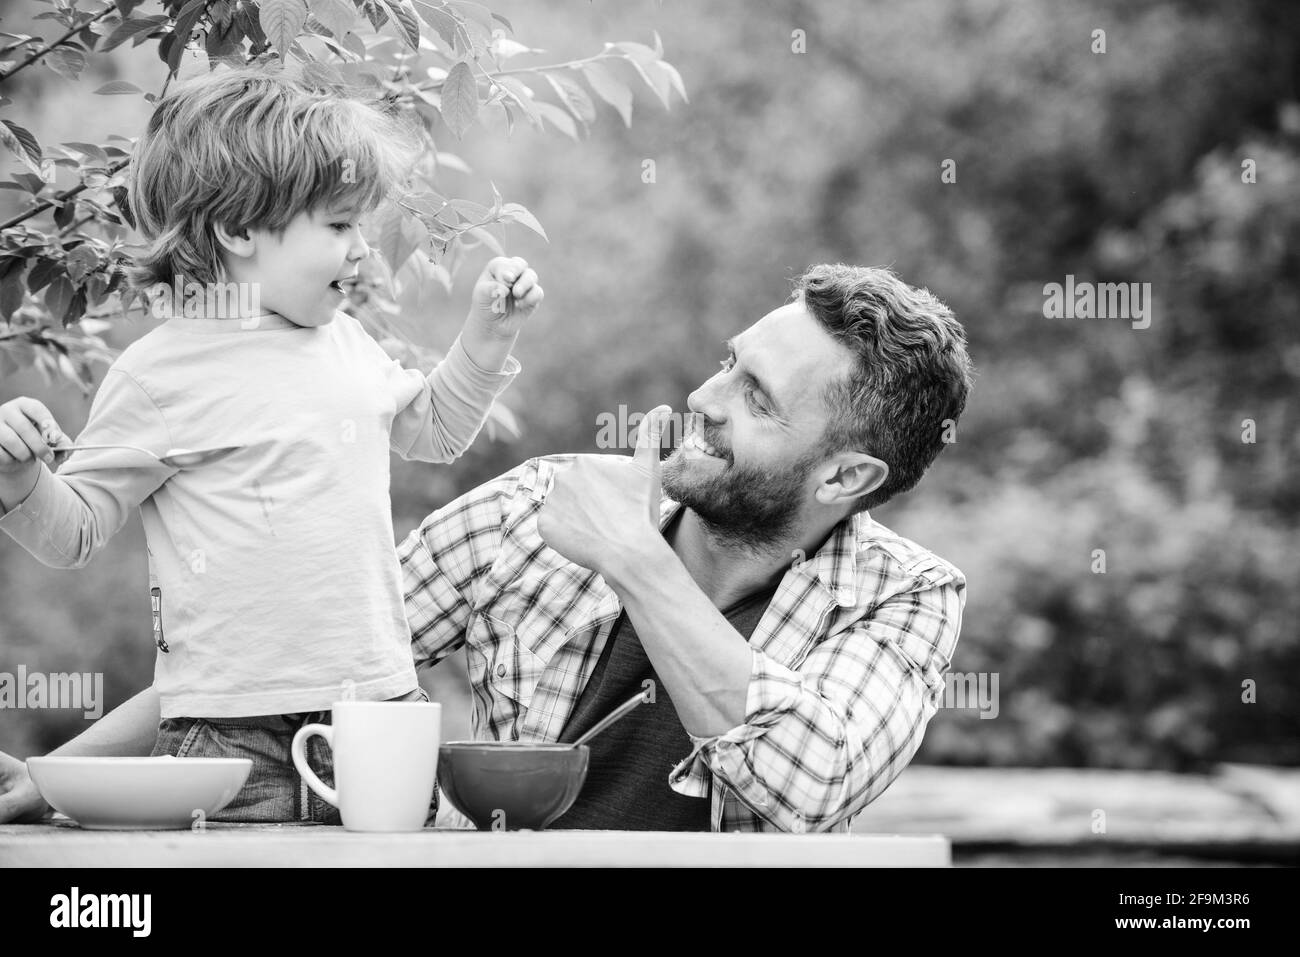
[848, 660]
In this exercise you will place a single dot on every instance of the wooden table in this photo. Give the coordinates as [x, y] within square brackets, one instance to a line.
[63, 844]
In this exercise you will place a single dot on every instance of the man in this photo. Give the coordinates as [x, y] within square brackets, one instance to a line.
[793, 648]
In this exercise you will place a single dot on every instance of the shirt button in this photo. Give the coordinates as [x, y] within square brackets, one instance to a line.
[501, 671]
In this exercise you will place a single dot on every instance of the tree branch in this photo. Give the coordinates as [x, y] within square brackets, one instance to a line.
[59, 42]
[60, 197]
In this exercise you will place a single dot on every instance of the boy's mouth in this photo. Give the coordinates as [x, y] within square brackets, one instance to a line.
[343, 286]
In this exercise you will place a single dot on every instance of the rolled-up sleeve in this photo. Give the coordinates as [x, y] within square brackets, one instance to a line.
[439, 416]
[820, 743]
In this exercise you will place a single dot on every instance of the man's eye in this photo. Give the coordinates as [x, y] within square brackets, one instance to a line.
[340, 227]
[728, 363]
[752, 398]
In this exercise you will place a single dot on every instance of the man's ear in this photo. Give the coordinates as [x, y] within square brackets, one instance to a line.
[234, 239]
[849, 476]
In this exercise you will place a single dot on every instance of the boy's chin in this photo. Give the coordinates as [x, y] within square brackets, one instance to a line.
[322, 317]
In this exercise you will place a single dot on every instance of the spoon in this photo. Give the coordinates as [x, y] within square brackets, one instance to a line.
[610, 718]
[174, 458]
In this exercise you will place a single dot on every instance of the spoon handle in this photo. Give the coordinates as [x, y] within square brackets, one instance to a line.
[79, 448]
[610, 718]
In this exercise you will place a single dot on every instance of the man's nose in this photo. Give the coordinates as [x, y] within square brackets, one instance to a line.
[707, 401]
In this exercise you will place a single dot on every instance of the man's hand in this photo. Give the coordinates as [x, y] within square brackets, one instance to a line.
[505, 295]
[20, 802]
[603, 510]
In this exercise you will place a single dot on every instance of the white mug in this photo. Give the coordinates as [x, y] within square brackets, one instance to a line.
[385, 762]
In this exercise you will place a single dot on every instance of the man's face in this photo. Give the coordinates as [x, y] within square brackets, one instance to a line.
[764, 420]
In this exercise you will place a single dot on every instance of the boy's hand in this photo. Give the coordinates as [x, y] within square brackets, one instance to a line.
[19, 799]
[27, 430]
[505, 295]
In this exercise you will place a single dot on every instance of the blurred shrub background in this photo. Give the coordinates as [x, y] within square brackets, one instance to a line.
[1081, 434]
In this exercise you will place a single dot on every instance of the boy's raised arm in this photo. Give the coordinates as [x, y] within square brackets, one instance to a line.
[438, 418]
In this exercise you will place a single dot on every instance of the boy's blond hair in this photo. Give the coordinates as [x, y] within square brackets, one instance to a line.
[250, 148]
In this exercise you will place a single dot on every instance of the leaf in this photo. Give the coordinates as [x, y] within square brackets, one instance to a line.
[132, 28]
[459, 99]
[675, 79]
[186, 19]
[76, 308]
[120, 200]
[354, 45]
[573, 96]
[22, 143]
[33, 183]
[221, 13]
[399, 236]
[282, 21]
[58, 297]
[64, 214]
[407, 20]
[515, 213]
[12, 288]
[558, 118]
[117, 88]
[521, 95]
[503, 21]
[503, 48]
[42, 273]
[376, 15]
[82, 260]
[339, 16]
[453, 162]
[487, 239]
[646, 63]
[476, 12]
[610, 89]
[226, 42]
[443, 23]
[472, 211]
[93, 153]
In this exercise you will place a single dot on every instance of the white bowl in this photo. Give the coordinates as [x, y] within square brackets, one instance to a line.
[139, 793]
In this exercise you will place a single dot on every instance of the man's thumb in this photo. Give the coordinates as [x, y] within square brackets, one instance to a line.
[648, 440]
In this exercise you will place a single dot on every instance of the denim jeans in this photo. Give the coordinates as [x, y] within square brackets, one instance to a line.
[274, 791]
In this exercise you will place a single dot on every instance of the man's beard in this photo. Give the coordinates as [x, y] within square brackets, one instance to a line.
[741, 505]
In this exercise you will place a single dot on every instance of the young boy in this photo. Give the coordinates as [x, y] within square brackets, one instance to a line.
[273, 576]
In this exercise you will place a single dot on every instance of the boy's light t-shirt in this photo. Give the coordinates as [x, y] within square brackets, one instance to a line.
[273, 572]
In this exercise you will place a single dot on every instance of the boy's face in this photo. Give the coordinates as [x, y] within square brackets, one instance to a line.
[299, 272]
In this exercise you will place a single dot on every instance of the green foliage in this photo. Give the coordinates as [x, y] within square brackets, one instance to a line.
[63, 257]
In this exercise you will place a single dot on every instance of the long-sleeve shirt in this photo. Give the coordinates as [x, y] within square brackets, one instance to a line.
[847, 664]
[272, 574]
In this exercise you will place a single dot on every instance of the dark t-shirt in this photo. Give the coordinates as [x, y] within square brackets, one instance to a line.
[627, 778]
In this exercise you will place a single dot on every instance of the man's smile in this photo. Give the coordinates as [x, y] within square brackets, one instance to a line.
[697, 447]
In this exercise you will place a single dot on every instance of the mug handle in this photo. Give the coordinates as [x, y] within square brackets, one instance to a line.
[299, 752]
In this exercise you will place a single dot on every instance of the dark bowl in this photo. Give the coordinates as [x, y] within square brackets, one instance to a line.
[511, 785]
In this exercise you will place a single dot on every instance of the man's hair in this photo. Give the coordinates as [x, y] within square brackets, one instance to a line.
[251, 148]
[910, 373]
